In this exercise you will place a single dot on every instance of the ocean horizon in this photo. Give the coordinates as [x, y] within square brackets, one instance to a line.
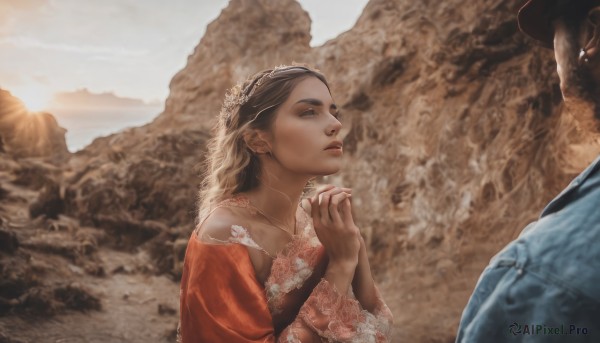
[83, 125]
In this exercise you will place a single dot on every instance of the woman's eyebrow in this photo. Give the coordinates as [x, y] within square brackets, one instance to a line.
[311, 101]
[316, 102]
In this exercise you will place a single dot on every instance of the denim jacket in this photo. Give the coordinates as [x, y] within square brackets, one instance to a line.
[545, 285]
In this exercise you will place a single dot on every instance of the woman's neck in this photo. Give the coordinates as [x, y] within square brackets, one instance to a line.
[278, 197]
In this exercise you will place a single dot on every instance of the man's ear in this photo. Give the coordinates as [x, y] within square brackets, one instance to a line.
[590, 37]
[257, 141]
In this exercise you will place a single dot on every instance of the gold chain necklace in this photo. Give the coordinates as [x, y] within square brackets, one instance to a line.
[271, 219]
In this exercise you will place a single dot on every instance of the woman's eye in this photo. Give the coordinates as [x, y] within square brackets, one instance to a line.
[310, 111]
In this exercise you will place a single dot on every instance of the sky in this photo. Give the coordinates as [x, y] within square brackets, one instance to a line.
[130, 48]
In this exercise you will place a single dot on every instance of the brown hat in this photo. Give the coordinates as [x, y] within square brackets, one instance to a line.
[536, 16]
[534, 20]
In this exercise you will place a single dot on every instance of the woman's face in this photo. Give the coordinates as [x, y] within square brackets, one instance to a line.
[304, 136]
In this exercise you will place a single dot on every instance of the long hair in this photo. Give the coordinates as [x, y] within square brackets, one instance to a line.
[231, 167]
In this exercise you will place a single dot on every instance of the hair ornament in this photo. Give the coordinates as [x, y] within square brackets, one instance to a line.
[236, 97]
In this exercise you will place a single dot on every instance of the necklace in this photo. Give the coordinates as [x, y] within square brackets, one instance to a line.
[272, 220]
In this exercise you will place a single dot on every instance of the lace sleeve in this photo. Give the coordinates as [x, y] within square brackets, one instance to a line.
[335, 317]
[223, 274]
[218, 271]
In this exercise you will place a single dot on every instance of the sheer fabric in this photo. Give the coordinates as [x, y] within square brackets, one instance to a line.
[223, 301]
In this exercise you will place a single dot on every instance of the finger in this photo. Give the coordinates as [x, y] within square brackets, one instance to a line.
[333, 207]
[324, 207]
[347, 212]
[336, 193]
[331, 188]
[325, 202]
[316, 198]
[314, 212]
[322, 189]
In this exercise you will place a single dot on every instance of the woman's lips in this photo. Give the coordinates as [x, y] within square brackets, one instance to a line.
[335, 150]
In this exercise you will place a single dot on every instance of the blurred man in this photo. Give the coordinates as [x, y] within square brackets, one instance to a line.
[545, 285]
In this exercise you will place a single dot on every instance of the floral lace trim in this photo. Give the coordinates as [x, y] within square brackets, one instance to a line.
[292, 266]
[290, 270]
[290, 336]
[240, 235]
[304, 222]
[382, 320]
[337, 317]
[238, 201]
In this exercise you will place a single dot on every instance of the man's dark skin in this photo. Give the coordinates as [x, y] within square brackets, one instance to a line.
[577, 57]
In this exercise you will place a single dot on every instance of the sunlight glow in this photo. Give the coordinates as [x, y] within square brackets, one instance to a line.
[36, 99]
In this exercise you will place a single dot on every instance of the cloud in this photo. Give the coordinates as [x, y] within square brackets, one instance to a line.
[133, 47]
[27, 42]
[11, 78]
[11, 11]
[83, 98]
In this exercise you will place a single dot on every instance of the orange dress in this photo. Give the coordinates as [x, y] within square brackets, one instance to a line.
[222, 300]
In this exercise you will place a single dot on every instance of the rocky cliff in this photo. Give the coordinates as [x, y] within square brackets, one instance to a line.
[454, 134]
[248, 36]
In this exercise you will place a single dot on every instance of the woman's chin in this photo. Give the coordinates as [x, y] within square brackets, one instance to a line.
[330, 171]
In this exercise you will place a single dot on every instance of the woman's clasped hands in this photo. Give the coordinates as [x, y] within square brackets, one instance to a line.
[331, 211]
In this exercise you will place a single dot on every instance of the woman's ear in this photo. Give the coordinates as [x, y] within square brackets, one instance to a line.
[256, 141]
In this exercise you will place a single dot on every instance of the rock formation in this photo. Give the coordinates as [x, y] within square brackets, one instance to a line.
[248, 36]
[27, 134]
[454, 138]
[38, 246]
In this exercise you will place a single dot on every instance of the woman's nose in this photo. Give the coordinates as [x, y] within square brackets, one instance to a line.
[334, 126]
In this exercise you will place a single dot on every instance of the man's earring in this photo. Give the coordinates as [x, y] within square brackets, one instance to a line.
[583, 57]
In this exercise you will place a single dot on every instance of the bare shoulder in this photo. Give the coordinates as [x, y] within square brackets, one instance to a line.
[219, 228]
[218, 224]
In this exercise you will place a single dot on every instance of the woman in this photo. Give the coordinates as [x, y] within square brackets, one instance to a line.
[264, 265]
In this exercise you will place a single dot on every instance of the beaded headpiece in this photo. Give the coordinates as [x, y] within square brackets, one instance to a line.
[238, 96]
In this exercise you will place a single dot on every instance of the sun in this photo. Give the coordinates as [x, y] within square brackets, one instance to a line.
[35, 99]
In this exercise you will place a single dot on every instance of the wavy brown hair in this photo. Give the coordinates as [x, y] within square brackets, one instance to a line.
[231, 166]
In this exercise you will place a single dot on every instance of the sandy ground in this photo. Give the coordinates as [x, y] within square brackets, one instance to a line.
[130, 311]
